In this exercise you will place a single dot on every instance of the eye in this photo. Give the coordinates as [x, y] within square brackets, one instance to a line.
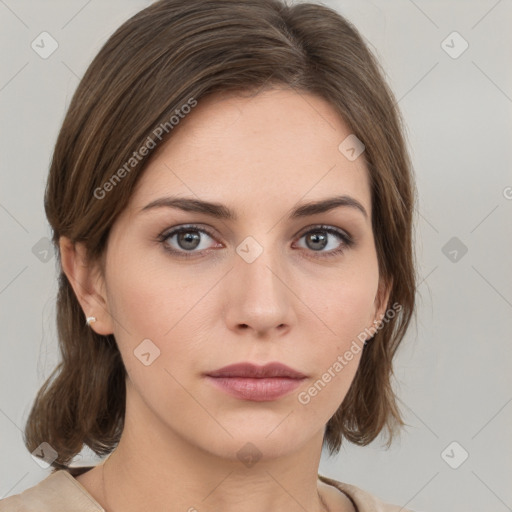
[188, 239]
[317, 239]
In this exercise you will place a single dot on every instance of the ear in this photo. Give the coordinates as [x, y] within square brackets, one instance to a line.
[382, 299]
[88, 284]
[380, 305]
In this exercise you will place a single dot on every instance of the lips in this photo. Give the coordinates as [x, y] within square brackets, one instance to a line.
[247, 381]
[252, 371]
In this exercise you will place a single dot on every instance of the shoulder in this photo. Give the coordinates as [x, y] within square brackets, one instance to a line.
[363, 500]
[59, 489]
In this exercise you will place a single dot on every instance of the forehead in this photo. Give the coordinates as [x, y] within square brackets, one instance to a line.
[268, 150]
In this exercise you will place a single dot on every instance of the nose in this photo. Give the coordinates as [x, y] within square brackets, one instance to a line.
[259, 296]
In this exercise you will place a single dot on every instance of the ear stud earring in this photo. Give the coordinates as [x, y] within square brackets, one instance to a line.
[90, 320]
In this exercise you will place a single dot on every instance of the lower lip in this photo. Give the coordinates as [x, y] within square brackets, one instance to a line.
[257, 390]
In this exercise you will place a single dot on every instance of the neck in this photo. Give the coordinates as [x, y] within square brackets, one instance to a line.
[323, 507]
[156, 469]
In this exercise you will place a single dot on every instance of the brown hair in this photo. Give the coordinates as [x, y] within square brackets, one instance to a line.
[159, 59]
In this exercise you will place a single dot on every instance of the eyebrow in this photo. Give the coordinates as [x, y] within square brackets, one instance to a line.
[221, 211]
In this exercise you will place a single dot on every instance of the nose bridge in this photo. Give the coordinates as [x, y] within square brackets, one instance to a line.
[261, 299]
[258, 266]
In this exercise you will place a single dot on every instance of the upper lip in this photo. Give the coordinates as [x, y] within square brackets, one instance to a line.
[250, 370]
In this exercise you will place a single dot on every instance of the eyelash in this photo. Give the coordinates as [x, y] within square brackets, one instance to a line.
[344, 237]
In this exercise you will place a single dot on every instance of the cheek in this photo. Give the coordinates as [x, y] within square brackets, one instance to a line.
[346, 305]
[147, 298]
[151, 328]
[346, 309]
[351, 314]
[150, 300]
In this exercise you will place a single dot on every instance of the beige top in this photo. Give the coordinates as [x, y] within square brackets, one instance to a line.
[61, 492]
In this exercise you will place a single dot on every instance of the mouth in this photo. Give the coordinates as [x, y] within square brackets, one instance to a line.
[247, 381]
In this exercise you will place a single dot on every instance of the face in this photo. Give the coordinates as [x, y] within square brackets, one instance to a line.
[261, 286]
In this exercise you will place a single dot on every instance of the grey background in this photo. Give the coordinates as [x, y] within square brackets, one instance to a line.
[453, 369]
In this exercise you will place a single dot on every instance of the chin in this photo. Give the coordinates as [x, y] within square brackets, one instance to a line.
[251, 443]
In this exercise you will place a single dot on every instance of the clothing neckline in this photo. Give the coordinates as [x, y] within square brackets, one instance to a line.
[72, 472]
[70, 475]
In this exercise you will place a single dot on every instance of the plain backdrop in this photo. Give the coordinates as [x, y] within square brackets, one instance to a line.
[453, 370]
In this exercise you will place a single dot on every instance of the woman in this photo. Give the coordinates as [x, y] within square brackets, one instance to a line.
[231, 199]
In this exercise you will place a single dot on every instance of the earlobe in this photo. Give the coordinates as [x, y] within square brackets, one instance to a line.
[87, 283]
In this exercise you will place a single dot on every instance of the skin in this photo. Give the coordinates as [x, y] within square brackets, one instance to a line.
[260, 156]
